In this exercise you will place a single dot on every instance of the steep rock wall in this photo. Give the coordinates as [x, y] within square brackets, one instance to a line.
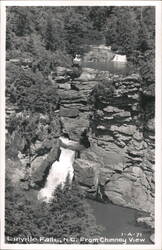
[115, 123]
[119, 164]
[120, 120]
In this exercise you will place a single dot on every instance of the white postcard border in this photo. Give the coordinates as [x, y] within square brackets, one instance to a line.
[158, 121]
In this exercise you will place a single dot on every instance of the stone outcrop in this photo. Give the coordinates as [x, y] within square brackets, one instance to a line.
[86, 172]
[120, 159]
[114, 118]
[31, 170]
[74, 108]
[40, 165]
[122, 120]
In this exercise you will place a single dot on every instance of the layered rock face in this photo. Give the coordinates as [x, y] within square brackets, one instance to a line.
[119, 164]
[113, 118]
[74, 108]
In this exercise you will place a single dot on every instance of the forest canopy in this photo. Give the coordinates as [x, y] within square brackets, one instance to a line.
[35, 31]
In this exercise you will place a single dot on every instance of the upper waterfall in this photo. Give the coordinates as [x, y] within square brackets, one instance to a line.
[120, 58]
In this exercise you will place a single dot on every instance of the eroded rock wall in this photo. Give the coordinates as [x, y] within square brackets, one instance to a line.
[116, 129]
[119, 164]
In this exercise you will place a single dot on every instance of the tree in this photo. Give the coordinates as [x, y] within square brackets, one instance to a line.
[78, 31]
[23, 20]
[98, 16]
[67, 216]
[146, 31]
[55, 32]
[121, 30]
[30, 91]
[146, 44]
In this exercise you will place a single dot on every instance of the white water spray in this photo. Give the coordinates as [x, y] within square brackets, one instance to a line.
[59, 171]
[120, 58]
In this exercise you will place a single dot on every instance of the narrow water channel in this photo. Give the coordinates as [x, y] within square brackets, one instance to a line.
[120, 222]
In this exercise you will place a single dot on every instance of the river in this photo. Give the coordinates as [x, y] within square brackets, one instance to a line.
[113, 66]
[120, 223]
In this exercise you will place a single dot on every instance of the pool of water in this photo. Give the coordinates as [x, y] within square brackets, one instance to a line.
[112, 67]
[120, 223]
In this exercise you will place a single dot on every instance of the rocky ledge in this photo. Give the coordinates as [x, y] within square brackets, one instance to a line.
[113, 119]
[119, 164]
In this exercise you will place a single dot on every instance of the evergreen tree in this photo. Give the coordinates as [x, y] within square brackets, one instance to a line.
[121, 30]
[98, 16]
[77, 32]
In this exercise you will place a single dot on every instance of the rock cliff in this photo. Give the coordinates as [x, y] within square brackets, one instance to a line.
[119, 164]
[112, 116]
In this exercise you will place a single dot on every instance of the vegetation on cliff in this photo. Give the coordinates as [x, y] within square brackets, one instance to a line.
[53, 32]
[67, 217]
[50, 36]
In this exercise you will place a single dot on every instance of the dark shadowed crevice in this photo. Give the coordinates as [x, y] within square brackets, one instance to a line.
[84, 140]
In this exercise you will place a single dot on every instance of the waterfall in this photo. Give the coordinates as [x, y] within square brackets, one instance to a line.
[120, 58]
[59, 171]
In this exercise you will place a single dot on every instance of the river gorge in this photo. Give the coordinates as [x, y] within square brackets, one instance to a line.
[103, 137]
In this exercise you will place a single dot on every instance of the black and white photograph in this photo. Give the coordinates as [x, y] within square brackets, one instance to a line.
[81, 163]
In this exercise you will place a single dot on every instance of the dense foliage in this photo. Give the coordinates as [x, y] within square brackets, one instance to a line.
[67, 216]
[30, 91]
[50, 36]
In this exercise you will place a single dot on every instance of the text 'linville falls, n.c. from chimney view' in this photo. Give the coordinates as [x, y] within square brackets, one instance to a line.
[80, 136]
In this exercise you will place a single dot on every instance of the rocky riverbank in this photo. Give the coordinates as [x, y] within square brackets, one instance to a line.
[120, 158]
[113, 118]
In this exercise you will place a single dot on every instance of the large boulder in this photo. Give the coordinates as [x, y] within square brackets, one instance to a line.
[149, 221]
[37, 162]
[105, 175]
[150, 125]
[88, 74]
[84, 87]
[124, 129]
[66, 86]
[119, 190]
[127, 191]
[62, 79]
[15, 171]
[74, 127]
[61, 71]
[112, 160]
[41, 147]
[41, 164]
[149, 90]
[69, 112]
[70, 96]
[152, 238]
[86, 172]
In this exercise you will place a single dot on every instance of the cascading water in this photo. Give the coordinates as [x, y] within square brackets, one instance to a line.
[120, 58]
[59, 171]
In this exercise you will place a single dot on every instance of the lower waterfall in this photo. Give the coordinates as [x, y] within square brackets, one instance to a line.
[59, 171]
